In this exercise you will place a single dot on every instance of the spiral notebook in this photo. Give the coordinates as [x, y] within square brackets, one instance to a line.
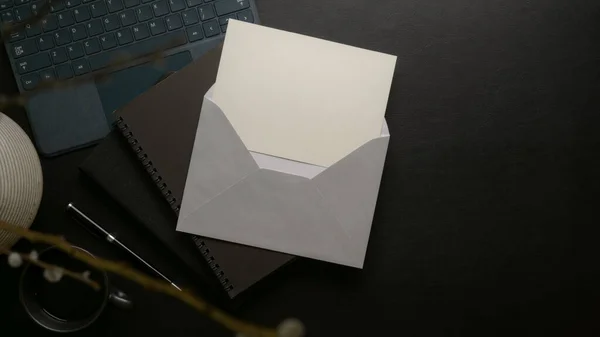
[160, 127]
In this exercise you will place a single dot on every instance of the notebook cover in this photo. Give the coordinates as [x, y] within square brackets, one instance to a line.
[96, 203]
[160, 126]
[117, 172]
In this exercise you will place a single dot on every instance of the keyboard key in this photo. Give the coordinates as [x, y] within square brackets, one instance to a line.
[94, 27]
[124, 36]
[72, 3]
[50, 23]
[144, 13]
[225, 19]
[92, 46]
[138, 49]
[33, 30]
[78, 32]
[82, 14]
[192, 3]
[127, 18]
[131, 3]
[45, 42]
[211, 28]
[20, 2]
[30, 81]
[47, 75]
[75, 51]
[62, 37]
[176, 5]
[98, 8]
[194, 33]
[16, 36]
[35, 7]
[160, 8]
[59, 55]
[114, 5]
[141, 31]
[146, 1]
[224, 7]
[224, 29]
[65, 19]
[22, 13]
[157, 26]
[7, 17]
[108, 41]
[86, 1]
[246, 16]
[57, 5]
[64, 71]
[33, 63]
[80, 67]
[4, 4]
[206, 12]
[173, 21]
[111, 22]
[23, 48]
[190, 17]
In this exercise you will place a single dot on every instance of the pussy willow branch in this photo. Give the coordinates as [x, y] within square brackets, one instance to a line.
[150, 283]
[77, 276]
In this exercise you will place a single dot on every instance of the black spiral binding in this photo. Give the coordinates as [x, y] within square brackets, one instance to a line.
[168, 195]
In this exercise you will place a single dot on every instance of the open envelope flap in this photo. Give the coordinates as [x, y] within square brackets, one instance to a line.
[350, 188]
[276, 211]
[219, 159]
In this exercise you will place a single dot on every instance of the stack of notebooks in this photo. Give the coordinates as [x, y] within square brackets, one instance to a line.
[272, 146]
[143, 166]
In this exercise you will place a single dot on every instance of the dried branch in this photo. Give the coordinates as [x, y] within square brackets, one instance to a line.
[150, 283]
[77, 276]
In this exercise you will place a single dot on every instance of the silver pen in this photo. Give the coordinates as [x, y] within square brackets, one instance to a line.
[95, 228]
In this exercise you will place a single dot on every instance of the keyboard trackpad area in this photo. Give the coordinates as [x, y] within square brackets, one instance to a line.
[124, 85]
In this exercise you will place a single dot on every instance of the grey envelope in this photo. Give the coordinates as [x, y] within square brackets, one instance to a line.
[236, 195]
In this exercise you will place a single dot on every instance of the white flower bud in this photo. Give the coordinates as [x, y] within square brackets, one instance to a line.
[15, 260]
[290, 327]
[53, 275]
[34, 255]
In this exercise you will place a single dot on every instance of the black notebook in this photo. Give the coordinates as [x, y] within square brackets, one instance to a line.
[117, 172]
[145, 171]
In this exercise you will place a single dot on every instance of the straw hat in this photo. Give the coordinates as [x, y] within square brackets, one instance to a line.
[20, 178]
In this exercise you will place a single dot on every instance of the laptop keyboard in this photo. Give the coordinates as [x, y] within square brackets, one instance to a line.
[82, 36]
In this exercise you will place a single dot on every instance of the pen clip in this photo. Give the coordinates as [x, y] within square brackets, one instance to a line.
[85, 226]
[89, 225]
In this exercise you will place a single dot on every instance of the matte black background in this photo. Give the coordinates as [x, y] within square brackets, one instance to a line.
[485, 224]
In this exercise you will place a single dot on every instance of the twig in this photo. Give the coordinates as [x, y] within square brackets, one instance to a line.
[44, 265]
[150, 283]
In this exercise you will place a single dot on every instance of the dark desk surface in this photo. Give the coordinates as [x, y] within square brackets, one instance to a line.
[492, 173]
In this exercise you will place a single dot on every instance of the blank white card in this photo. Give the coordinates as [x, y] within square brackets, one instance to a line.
[298, 97]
